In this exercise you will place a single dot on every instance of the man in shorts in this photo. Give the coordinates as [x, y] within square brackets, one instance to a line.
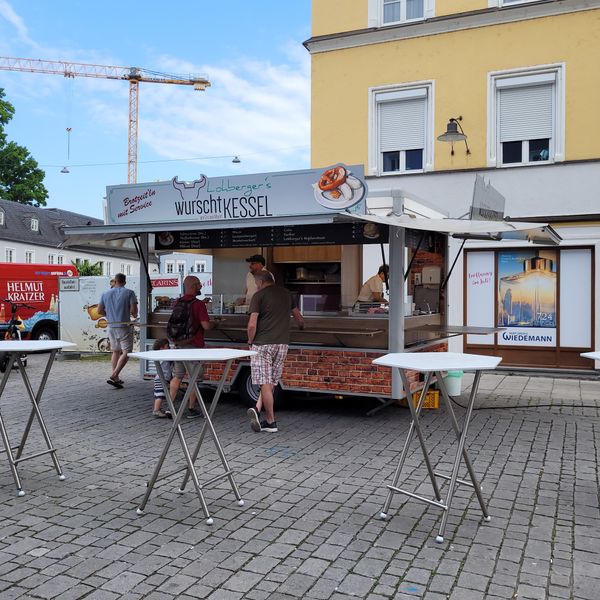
[269, 337]
[119, 304]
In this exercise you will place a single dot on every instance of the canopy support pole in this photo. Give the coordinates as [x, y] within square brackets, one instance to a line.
[396, 304]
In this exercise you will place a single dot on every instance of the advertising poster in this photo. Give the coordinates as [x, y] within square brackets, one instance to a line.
[527, 287]
[80, 322]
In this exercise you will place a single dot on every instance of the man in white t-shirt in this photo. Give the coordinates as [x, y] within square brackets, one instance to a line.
[372, 289]
[256, 263]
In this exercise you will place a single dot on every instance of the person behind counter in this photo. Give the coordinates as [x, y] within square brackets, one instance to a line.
[372, 289]
[256, 264]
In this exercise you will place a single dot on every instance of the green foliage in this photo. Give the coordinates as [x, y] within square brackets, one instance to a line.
[21, 180]
[86, 269]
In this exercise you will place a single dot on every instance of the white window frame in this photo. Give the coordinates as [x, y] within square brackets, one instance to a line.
[1, 217]
[13, 254]
[169, 266]
[375, 13]
[181, 263]
[60, 259]
[29, 257]
[198, 264]
[502, 3]
[122, 268]
[375, 163]
[557, 143]
[128, 269]
[51, 259]
[35, 224]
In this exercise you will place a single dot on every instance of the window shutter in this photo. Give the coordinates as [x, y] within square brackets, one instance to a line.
[402, 125]
[526, 113]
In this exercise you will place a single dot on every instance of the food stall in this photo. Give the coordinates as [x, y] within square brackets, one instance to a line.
[311, 227]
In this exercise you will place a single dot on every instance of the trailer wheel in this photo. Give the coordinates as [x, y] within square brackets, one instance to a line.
[249, 392]
[44, 333]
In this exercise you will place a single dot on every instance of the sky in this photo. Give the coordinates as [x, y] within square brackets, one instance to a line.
[257, 108]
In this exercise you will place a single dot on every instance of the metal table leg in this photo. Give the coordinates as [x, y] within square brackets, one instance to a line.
[207, 425]
[35, 413]
[461, 452]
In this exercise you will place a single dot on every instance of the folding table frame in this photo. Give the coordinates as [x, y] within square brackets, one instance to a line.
[193, 368]
[16, 350]
[461, 436]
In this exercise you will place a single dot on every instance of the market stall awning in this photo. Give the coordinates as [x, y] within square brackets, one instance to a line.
[115, 235]
[539, 233]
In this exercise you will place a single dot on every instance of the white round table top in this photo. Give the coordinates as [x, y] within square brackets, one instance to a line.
[33, 345]
[194, 354]
[592, 355]
[438, 361]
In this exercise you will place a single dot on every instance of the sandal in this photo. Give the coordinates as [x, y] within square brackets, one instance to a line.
[114, 383]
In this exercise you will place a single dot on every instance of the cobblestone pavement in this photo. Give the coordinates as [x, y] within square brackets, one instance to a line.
[313, 491]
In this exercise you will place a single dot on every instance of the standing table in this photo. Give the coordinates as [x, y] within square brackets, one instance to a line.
[193, 359]
[16, 350]
[432, 363]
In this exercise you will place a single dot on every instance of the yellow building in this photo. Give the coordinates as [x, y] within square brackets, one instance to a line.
[518, 77]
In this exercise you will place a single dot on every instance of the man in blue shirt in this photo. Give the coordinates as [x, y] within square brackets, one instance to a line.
[119, 304]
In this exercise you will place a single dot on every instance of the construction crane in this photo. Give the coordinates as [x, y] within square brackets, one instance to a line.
[134, 75]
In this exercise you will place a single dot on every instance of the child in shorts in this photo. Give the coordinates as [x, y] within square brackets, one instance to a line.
[159, 392]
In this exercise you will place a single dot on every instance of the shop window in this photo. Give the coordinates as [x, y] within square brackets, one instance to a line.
[400, 138]
[526, 122]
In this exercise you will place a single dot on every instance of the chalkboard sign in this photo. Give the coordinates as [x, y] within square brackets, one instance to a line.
[287, 235]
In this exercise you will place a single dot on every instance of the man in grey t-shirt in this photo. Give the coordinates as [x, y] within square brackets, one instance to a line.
[119, 304]
[269, 336]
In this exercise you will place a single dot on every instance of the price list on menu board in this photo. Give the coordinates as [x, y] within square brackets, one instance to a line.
[290, 235]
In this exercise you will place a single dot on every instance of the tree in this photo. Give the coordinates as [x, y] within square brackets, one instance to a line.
[86, 269]
[21, 180]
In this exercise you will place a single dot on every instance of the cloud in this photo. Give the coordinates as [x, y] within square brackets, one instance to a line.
[258, 110]
[8, 13]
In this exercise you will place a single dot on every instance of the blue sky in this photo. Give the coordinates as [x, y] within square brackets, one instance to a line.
[258, 106]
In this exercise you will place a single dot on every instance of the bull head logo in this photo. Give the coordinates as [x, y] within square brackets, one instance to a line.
[189, 191]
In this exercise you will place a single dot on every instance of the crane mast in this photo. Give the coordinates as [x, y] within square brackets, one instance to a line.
[134, 75]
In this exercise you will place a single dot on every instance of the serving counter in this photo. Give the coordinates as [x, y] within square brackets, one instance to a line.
[340, 330]
[333, 354]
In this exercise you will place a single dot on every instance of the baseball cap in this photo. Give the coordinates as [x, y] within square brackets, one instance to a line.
[259, 258]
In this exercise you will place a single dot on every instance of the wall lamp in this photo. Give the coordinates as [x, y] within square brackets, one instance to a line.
[452, 134]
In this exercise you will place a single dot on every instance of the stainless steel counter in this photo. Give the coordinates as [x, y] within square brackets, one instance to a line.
[368, 331]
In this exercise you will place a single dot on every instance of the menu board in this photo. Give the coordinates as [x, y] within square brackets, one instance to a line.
[287, 235]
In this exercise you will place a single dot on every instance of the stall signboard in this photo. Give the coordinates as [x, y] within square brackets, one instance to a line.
[80, 322]
[240, 197]
[527, 289]
[287, 235]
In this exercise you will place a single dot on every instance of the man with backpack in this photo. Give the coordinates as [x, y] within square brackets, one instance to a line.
[185, 329]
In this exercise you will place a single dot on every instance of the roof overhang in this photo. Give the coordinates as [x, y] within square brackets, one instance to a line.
[539, 233]
[113, 235]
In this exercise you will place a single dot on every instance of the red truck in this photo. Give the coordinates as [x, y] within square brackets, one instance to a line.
[29, 293]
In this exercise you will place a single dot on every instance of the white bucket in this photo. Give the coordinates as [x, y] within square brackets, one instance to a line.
[453, 381]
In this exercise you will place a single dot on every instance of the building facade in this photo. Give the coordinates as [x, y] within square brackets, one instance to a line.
[519, 79]
[34, 235]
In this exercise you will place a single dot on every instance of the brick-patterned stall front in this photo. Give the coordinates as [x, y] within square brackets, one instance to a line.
[332, 371]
